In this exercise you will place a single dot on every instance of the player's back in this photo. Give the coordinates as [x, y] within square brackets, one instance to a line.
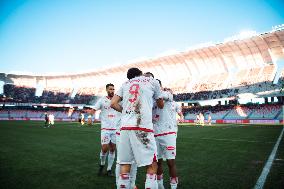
[138, 94]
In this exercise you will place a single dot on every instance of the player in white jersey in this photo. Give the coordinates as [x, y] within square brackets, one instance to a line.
[109, 118]
[197, 119]
[51, 119]
[209, 119]
[82, 118]
[137, 142]
[201, 119]
[165, 129]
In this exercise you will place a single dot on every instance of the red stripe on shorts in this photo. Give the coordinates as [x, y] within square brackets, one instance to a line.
[163, 134]
[136, 128]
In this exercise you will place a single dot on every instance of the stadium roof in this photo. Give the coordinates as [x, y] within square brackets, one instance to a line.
[252, 51]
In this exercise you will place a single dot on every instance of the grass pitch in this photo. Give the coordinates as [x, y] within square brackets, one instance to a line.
[67, 156]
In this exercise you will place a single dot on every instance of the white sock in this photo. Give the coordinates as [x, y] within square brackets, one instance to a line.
[174, 182]
[151, 181]
[117, 171]
[160, 181]
[110, 160]
[103, 158]
[124, 181]
[133, 173]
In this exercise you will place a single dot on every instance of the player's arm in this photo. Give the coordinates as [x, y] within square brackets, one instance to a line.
[167, 95]
[115, 103]
[96, 107]
[158, 95]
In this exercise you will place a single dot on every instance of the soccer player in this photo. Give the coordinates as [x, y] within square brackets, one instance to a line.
[165, 129]
[90, 120]
[70, 111]
[82, 118]
[51, 119]
[46, 120]
[197, 119]
[201, 119]
[109, 121]
[137, 142]
[209, 119]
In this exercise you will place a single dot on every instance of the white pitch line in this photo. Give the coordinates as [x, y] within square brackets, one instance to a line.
[262, 178]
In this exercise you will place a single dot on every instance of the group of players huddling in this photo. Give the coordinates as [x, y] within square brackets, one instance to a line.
[140, 120]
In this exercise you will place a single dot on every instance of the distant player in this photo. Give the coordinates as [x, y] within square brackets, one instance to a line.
[70, 111]
[165, 129]
[201, 119]
[46, 120]
[51, 119]
[197, 119]
[209, 119]
[82, 118]
[90, 120]
[137, 142]
[109, 121]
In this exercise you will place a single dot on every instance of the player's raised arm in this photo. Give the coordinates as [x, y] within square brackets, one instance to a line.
[158, 94]
[115, 103]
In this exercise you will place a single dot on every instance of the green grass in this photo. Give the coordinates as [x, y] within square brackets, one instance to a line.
[67, 156]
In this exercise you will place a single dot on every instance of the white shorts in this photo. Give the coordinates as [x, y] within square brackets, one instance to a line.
[166, 146]
[108, 136]
[137, 146]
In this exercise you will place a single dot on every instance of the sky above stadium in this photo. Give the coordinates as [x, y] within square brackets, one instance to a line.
[69, 36]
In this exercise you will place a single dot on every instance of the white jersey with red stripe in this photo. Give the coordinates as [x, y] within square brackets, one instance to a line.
[108, 116]
[138, 95]
[165, 119]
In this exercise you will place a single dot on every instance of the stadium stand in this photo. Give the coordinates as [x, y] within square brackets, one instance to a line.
[221, 71]
[36, 114]
[253, 111]
[239, 112]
